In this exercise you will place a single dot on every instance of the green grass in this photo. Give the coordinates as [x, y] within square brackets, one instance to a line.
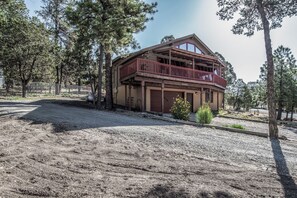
[235, 126]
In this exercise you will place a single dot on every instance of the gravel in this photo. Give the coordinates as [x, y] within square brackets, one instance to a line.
[53, 150]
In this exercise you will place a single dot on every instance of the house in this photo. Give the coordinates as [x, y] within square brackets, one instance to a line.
[151, 79]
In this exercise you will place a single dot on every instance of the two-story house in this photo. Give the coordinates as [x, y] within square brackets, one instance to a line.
[151, 79]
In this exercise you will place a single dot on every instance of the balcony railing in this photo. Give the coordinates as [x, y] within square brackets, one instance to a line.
[153, 67]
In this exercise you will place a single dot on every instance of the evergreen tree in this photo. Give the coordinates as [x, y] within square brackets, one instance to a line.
[260, 15]
[53, 13]
[25, 45]
[285, 67]
[168, 38]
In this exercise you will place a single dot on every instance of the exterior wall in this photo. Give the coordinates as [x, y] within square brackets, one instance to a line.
[196, 96]
[213, 105]
[136, 97]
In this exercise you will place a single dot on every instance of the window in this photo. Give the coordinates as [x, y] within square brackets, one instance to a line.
[197, 50]
[189, 47]
[208, 96]
[183, 46]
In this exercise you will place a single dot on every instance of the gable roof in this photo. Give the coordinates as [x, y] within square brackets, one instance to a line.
[120, 59]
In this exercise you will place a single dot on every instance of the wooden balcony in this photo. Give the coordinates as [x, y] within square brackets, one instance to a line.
[156, 68]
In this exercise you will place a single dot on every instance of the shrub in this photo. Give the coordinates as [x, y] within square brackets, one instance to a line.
[237, 126]
[222, 112]
[181, 109]
[204, 115]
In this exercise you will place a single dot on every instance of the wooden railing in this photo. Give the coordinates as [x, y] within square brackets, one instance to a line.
[153, 67]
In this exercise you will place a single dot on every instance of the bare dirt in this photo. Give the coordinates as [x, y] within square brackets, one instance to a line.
[50, 150]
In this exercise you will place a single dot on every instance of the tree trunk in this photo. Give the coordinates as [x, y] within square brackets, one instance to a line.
[79, 85]
[24, 91]
[108, 81]
[57, 81]
[281, 95]
[61, 78]
[100, 66]
[292, 113]
[273, 130]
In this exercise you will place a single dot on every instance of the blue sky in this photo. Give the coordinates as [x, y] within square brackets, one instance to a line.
[183, 17]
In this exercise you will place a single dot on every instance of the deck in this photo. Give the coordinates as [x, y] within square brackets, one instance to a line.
[152, 67]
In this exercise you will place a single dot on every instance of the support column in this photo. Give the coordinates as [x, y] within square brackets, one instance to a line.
[193, 66]
[170, 62]
[212, 71]
[224, 100]
[201, 97]
[130, 96]
[169, 57]
[142, 96]
[162, 95]
[218, 100]
[126, 102]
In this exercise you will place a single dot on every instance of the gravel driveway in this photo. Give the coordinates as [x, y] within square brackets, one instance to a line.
[61, 151]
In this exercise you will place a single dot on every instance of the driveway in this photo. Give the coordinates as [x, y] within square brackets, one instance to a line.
[52, 150]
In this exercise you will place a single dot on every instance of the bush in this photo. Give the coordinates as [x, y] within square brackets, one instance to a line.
[181, 109]
[204, 115]
[237, 126]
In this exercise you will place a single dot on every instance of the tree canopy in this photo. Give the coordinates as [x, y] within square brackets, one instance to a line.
[255, 15]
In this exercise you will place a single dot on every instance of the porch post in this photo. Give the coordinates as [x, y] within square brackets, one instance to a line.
[130, 95]
[142, 95]
[193, 66]
[126, 97]
[224, 100]
[218, 98]
[162, 95]
[170, 57]
[201, 97]
[213, 72]
[170, 62]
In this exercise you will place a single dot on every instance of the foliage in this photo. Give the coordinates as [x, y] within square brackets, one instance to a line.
[285, 78]
[53, 14]
[109, 25]
[229, 73]
[259, 96]
[235, 94]
[25, 47]
[222, 112]
[236, 126]
[167, 38]
[181, 109]
[204, 115]
[260, 15]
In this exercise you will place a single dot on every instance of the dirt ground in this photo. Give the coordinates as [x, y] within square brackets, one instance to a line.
[50, 150]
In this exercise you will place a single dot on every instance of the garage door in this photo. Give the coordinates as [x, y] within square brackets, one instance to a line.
[169, 97]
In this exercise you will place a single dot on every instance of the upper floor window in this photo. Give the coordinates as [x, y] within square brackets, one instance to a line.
[189, 47]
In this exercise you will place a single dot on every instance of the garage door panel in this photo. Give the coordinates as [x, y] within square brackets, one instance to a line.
[156, 105]
[169, 98]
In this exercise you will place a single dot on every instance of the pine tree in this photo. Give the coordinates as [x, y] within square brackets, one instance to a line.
[260, 15]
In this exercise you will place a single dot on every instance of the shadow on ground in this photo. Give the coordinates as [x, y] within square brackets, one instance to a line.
[287, 181]
[71, 116]
[167, 191]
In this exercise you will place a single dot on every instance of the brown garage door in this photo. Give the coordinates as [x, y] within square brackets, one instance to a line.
[169, 97]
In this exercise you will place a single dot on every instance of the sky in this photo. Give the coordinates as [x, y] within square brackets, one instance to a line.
[184, 17]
